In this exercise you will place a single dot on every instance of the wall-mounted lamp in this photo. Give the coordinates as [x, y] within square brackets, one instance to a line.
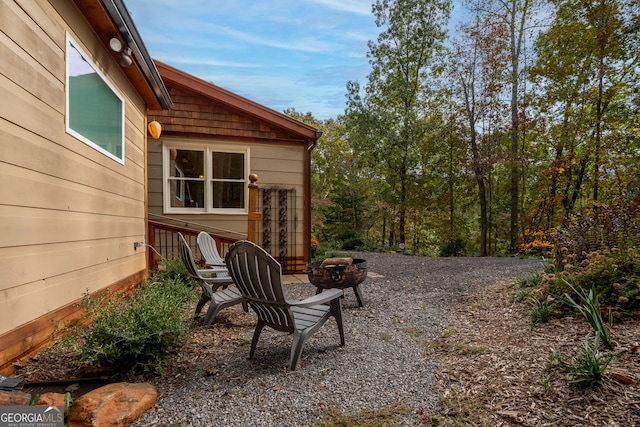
[155, 129]
[124, 53]
[125, 57]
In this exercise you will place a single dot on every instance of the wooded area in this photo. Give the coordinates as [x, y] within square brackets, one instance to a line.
[484, 140]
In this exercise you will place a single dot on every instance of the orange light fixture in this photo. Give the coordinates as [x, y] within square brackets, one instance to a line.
[155, 129]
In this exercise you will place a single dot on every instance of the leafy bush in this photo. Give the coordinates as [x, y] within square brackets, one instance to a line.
[598, 248]
[353, 244]
[458, 247]
[173, 269]
[135, 332]
[535, 243]
[607, 227]
[613, 274]
[327, 249]
[531, 281]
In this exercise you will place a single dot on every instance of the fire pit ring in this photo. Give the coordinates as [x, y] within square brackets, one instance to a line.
[339, 273]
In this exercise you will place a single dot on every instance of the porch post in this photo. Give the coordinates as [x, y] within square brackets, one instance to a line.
[254, 216]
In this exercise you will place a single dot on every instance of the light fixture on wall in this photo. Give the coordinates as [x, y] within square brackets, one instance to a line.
[124, 53]
[125, 57]
[155, 129]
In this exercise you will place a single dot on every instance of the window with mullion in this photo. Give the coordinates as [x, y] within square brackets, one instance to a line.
[228, 182]
[209, 179]
[186, 179]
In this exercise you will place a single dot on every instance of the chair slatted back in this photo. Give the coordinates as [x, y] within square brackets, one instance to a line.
[259, 277]
[209, 249]
[187, 258]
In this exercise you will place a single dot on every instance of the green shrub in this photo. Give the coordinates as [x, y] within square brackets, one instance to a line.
[520, 295]
[542, 311]
[531, 281]
[588, 365]
[135, 332]
[347, 234]
[614, 275]
[325, 250]
[173, 268]
[352, 244]
[458, 247]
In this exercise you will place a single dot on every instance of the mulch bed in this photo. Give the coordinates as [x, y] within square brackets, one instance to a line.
[497, 371]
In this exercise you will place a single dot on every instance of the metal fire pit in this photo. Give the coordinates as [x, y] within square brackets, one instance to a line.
[339, 273]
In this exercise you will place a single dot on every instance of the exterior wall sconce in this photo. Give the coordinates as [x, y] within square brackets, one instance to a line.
[155, 129]
[124, 53]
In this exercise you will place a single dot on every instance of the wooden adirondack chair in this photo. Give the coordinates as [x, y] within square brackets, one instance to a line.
[259, 277]
[209, 251]
[218, 299]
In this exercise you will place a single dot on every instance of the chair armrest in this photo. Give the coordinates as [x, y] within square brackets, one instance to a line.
[219, 280]
[320, 298]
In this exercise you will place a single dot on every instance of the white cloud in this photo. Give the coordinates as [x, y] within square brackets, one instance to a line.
[360, 7]
[168, 58]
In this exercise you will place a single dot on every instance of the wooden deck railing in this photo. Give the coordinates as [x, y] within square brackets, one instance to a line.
[163, 236]
[163, 241]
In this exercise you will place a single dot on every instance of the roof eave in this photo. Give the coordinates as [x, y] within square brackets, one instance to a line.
[110, 18]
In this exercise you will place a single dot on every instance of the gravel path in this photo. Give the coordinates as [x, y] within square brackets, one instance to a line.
[212, 382]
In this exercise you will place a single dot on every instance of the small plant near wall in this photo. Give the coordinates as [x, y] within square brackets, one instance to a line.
[135, 332]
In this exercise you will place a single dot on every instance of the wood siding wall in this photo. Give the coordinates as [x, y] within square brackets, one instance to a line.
[276, 165]
[69, 215]
[277, 156]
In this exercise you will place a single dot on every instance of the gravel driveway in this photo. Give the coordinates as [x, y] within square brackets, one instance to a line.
[212, 382]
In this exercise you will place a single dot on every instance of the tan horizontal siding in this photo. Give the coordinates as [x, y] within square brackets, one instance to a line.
[27, 188]
[25, 264]
[41, 296]
[28, 152]
[37, 36]
[24, 227]
[69, 215]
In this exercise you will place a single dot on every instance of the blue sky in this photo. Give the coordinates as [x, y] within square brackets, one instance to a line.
[280, 53]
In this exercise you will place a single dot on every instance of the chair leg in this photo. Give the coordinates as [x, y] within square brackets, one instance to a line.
[211, 313]
[336, 312]
[201, 303]
[256, 335]
[296, 349]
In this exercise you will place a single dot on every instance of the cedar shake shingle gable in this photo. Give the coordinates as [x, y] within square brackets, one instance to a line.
[203, 108]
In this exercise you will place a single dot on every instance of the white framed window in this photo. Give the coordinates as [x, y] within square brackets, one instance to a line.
[205, 179]
[94, 108]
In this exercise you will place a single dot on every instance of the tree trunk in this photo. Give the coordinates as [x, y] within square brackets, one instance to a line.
[482, 192]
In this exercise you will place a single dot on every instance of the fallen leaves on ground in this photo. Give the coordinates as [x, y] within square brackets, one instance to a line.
[497, 371]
